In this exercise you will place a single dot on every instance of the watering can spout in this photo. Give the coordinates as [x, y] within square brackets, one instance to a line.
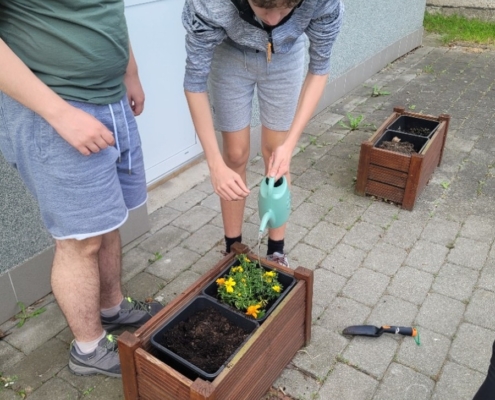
[264, 220]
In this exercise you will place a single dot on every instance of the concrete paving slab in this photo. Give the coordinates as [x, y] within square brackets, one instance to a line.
[346, 382]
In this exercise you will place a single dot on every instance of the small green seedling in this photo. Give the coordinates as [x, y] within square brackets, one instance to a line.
[27, 313]
[412, 107]
[88, 391]
[354, 122]
[312, 140]
[445, 184]
[156, 257]
[428, 69]
[376, 92]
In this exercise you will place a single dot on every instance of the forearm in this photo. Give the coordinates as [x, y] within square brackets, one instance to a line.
[199, 107]
[311, 92]
[132, 65]
[18, 82]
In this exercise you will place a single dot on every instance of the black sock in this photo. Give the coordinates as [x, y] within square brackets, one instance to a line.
[275, 246]
[230, 241]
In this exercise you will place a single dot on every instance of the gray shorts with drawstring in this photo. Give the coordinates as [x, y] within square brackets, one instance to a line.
[79, 196]
[236, 71]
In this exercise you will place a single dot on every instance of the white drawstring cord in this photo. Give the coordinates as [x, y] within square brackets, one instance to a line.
[128, 134]
[116, 134]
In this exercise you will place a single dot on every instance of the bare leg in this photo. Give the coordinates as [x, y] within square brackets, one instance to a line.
[110, 268]
[76, 285]
[236, 156]
[270, 140]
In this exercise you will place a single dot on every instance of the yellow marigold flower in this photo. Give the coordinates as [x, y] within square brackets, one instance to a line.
[229, 285]
[243, 280]
[276, 288]
[253, 310]
[270, 274]
[246, 259]
[238, 269]
[220, 281]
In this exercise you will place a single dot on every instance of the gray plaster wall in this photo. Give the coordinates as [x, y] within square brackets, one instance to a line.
[480, 9]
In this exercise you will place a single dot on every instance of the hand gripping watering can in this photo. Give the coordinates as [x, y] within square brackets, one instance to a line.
[273, 202]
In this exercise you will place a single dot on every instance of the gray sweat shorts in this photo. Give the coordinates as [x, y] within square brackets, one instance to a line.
[236, 71]
[79, 196]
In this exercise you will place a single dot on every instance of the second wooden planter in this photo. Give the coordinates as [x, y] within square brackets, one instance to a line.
[400, 177]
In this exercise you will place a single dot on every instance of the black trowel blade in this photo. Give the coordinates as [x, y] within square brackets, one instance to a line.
[363, 330]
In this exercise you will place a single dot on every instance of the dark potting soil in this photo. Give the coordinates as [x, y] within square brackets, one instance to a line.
[206, 339]
[399, 147]
[417, 131]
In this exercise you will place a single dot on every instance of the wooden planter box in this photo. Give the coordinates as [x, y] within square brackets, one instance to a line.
[399, 177]
[252, 371]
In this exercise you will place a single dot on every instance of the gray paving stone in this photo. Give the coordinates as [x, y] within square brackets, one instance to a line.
[326, 196]
[343, 260]
[479, 228]
[187, 200]
[38, 330]
[298, 196]
[326, 286]
[385, 258]
[380, 214]
[324, 236]
[440, 314]
[134, 262]
[401, 382]
[162, 217]
[40, 365]
[487, 276]
[457, 383]
[427, 358]
[469, 253]
[142, 286]
[371, 355]
[173, 263]
[366, 286]
[342, 313]
[345, 382]
[307, 255]
[471, 347]
[344, 214]
[204, 239]
[84, 383]
[441, 231]
[402, 234]
[205, 186]
[177, 286]
[296, 384]
[194, 218]
[411, 284]
[209, 260]
[319, 356]
[212, 202]
[427, 256]
[294, 235]
[363, 235]
[477, 309]
[164, 240]
[308, 214]
[455, 281]
[9, 356]
[392, 311]
[55, 389]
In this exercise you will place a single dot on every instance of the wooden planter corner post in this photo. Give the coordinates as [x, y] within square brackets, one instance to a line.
[254, 367]
[400, 177]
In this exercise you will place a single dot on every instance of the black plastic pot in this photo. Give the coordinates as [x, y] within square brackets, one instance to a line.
[198, 304]
[285, 280]
[414, 126]
[418, 141]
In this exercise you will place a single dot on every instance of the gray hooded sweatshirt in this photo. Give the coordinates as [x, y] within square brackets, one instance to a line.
[209, 22]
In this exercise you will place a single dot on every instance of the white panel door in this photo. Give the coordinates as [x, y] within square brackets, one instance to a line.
[167, 132]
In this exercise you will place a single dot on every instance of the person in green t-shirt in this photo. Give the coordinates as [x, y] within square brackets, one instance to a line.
[69, 91]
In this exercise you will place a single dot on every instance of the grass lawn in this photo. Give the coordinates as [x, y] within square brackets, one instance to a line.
[456, 28]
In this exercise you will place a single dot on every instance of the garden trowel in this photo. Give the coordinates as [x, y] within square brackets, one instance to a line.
[374, 331]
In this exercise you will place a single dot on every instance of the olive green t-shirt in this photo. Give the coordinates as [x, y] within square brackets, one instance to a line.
[79, 48]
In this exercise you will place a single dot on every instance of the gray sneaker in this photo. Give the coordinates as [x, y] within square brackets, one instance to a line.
[279, 258]
[133, 313]
[104, 360]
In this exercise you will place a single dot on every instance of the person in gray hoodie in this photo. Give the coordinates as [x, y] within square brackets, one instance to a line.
[240, 46]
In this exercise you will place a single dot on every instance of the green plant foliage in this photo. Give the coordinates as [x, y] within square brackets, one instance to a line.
[353, 122]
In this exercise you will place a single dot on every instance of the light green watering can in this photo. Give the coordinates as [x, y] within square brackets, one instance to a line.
[273, 203]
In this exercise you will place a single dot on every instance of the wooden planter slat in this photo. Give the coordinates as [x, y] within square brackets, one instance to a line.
[252, 370]
[400, 177]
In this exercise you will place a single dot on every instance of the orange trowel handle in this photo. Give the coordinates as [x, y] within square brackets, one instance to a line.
[400, 330]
